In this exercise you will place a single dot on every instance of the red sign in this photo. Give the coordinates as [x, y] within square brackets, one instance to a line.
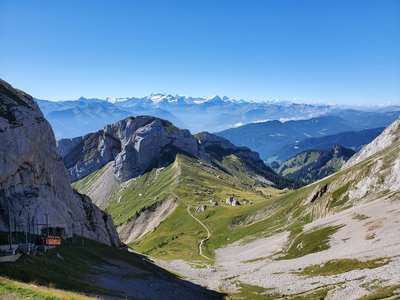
[52, 240]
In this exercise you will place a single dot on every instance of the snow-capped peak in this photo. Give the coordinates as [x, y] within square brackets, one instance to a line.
[115, 100]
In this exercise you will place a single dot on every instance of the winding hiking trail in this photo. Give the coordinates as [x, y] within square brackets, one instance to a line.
[202, 224]
[179, 171]
[203, 240]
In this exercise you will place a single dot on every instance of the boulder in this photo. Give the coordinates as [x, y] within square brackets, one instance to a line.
[201, 208]
[232, 201]
[213, 202]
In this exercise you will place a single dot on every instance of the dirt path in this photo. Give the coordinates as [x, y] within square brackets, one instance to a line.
[202, 224]
[203, 240]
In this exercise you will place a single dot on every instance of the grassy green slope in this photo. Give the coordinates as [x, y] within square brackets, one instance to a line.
[289, 210]
[136, 195]
[73, 267]
[178, 236]
[271, 211]
[299, 161]
[11, 289]
[192, 182]
[312, 165]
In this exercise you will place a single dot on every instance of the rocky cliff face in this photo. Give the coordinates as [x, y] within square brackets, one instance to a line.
[371, 174]
[33, 179]
[388, 137]
[136, 145]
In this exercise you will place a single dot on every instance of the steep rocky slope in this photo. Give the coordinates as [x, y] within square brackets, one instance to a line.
[312, 165]
[33, 179]
[389, 137]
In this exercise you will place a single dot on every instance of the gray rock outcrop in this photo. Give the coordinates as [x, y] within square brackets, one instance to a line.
[232, 201]
[388, 137]
[213, 202]
[33, 179]
[201, 208]
[134, 144]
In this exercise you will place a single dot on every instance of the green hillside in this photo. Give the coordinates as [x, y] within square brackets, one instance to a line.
[192, 183]
[311, 165]
[84, 267]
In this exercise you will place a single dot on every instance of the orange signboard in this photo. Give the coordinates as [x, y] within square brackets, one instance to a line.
[51, 240]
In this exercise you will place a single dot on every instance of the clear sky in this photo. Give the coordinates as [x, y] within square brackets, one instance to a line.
[309, 51]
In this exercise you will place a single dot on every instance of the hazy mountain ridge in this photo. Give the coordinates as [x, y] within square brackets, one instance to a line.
[195, 113]
[268, 138]
[354, 140]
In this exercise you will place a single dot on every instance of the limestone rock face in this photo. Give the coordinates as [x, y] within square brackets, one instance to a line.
[134, 144]
[33, 179]
[388, 137]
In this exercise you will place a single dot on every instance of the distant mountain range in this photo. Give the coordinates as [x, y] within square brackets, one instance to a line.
[350, 139]
[269, 138]
[78, 117]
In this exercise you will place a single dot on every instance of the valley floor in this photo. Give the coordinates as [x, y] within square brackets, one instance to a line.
[366, 264]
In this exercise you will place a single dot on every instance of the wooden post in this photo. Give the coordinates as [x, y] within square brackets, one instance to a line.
[48, 230]
[15, 230]
[83, 240]
[33, 231]
[29, 227]
[9, 224]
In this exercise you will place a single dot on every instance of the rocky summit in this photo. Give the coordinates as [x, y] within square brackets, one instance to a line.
[138, 144]
[135, 144]
[33, 179]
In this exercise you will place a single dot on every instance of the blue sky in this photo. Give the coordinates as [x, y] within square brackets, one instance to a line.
[307, 51]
